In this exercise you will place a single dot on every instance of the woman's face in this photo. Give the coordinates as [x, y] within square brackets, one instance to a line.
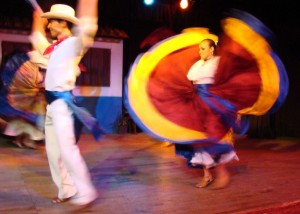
[205, 51]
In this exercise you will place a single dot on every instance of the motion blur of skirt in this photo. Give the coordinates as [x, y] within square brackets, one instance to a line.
[250, 77]
[23, 103]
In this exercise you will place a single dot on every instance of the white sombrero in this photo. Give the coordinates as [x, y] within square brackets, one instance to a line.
[61, 11]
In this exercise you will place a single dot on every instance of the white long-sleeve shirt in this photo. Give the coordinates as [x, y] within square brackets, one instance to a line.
[203, 72]
[62, 68]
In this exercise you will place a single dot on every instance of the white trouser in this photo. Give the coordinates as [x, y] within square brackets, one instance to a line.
[68, 169]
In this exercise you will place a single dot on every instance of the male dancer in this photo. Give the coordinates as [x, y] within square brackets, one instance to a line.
[68, 168]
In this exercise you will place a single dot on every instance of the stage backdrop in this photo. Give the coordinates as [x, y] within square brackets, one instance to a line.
[99, 88]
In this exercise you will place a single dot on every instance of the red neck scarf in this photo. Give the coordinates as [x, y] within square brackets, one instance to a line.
[51, 47]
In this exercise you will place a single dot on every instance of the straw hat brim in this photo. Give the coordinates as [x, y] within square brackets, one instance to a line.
[52, 15]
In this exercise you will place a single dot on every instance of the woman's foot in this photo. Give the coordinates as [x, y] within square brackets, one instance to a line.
[205, 181]
[24, 141]
[222, 178]
[28, 143]
[17, 143]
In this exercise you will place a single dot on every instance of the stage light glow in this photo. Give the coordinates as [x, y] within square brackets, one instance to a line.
[148, 2]
[184, 4]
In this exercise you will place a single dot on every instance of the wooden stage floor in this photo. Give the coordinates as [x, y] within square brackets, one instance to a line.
[136, 174]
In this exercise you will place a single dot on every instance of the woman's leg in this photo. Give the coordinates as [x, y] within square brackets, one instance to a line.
[222, 177]
[206, 179]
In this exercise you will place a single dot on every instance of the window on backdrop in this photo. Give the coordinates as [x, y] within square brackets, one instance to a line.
[95, 65]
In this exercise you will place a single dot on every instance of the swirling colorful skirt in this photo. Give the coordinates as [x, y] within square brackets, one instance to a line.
[250, 77]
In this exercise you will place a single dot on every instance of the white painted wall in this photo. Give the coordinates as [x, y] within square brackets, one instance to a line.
[116, 66]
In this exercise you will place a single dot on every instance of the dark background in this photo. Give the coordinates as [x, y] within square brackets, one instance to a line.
[138, 21]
